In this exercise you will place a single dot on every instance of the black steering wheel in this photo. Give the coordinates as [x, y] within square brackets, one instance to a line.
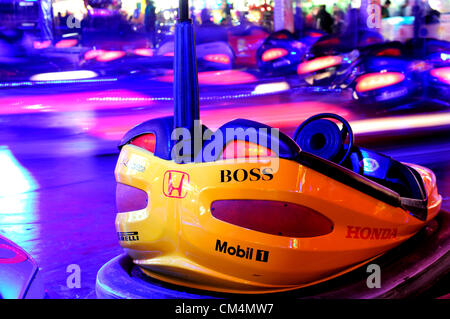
[322, 137]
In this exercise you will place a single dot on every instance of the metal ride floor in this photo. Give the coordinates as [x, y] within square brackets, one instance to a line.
[58, 154]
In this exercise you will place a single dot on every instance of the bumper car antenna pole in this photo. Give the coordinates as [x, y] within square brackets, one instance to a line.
[186, 110]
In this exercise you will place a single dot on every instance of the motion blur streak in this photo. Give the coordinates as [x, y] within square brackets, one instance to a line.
[443, 74]
[41, 45]
[373, 81]
[82, 101]
[109, 56]
[61, 76]
[318, 64]
[271, 88]
[400, 123]
[218, 58]
[36, 83]
[144, 52]
[15, 179]
[68, 43]
[273, 54]
[93, 54]
[285, 116]
[18, 199]
[227, 77]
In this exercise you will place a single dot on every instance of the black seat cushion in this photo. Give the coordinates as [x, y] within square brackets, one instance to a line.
[162, 129]
[387, 172]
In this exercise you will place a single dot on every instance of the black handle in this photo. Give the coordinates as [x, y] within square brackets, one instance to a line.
[183, 10]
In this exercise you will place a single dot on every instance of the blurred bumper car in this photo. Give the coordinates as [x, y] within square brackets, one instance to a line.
[281, 53]
[19, 273]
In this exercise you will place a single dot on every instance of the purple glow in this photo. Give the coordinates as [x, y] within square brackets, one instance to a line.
[285, 115]
[97, 12]
[227, 77]
[109, 56]
[85, 101]
[38, 45]
[443, 74]
[67, 43]
[144, 52]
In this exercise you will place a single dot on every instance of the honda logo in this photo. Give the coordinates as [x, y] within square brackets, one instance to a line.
[174, 184]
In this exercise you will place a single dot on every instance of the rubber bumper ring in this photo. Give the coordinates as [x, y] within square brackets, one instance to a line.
[321, 138]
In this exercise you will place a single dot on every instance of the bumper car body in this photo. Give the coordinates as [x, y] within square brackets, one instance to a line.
[255, 227]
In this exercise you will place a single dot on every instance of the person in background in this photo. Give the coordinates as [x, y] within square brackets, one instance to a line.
[432, 16]
[298, 20]
[137, 11]
[193, 16]
[339, 20]
[243, 18]
[150, 21]
[205, 17]
[385, 9]
[324, 20]
[404, 9]
[227, 12]
[310, 18]
[208, 31]
[226, 21]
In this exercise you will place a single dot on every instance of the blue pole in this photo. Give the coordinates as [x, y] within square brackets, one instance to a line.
[185, 72]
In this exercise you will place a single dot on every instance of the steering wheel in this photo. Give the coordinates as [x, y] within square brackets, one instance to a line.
[322, 137]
